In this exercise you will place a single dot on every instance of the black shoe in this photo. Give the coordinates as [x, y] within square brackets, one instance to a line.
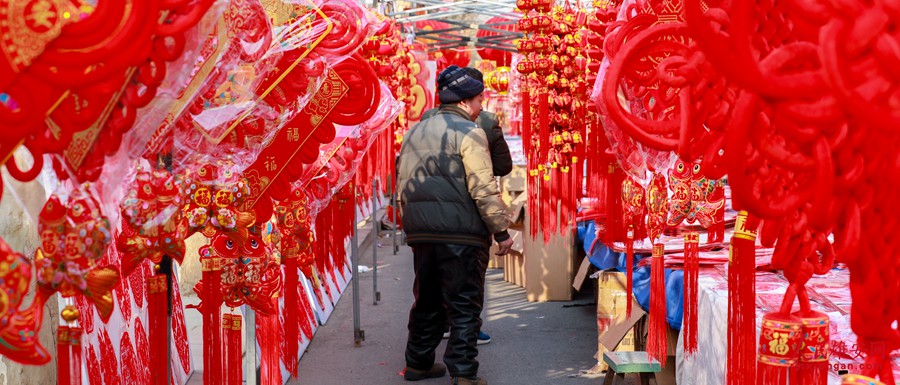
[437, 370]
[468, 381]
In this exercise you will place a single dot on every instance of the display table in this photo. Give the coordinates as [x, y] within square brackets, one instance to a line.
[829, 294]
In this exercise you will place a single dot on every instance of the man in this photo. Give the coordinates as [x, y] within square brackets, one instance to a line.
[501, 159]
[490, 123]
[451, 208]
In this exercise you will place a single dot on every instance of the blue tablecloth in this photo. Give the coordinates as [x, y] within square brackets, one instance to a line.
[604, 258]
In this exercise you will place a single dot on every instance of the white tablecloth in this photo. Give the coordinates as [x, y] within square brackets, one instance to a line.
[707, 366]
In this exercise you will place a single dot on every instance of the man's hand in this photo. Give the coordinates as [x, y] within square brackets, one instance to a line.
[504, 246]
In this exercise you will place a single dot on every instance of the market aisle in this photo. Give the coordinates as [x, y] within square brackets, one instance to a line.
[533, 343]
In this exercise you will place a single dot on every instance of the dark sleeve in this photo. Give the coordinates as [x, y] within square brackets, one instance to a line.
[500, 156]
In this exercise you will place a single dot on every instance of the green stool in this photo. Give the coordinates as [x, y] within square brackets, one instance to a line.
[621, 363]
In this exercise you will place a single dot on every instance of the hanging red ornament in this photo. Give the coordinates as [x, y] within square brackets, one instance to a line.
[658, 205]
[691, 290]
[657, 344]
[73, 239]
[20, 331]
[215, 201]
[740, 364]
[152, 224]
[498, 80]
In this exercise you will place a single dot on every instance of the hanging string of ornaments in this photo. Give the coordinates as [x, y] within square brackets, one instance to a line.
[795, 103]
[209, 118]
[555, 67]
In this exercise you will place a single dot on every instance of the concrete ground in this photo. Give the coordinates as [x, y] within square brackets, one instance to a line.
[533, 343]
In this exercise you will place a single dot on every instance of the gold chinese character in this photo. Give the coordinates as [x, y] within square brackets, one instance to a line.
[293, 134]
[43, 15]
[778, 345]
[271, 165]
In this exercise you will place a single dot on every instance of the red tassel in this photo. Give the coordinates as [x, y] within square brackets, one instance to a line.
[741, 358]
[543, 127]
[529, 205]
[157, 292]
[615, 230]
[75, 353]
[691, 290]
[657, 345]
[63, 360]
[555, 202]
[292, 319]
[526, 121]
[233, 365]
[547, 207]
[268, 333]
[629, 270]
[212, 320]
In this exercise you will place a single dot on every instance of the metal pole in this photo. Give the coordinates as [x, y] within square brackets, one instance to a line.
[250, 358]
[394, 215]
[376, 296]
[358, 334]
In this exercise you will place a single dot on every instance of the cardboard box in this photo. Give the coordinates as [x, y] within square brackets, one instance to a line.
[513, 185]
[514, 261]
[517, 212]
[582, 274]
[614, 330]
[549, 267]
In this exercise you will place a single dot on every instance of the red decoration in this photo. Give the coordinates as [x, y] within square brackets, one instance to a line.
[157, 300]
[498, 80]
[20, 331]
[216, 196]
[779, 349]
[499, 57]
[73, 239]
[740, 363]
[657, 346]
[691, 290]
[815, 350]
[152, 224]
[658, 206]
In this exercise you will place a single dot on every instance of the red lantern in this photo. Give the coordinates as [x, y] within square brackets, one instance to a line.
[501, 58]
[498, 80]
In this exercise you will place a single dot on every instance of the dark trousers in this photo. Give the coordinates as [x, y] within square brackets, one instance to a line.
[451, 275]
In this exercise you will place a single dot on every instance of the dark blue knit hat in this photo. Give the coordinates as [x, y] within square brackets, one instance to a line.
[455, 84]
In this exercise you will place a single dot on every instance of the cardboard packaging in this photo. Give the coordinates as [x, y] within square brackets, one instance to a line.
[513, 185]
[614, 330]
[516, 212]
[514, 261]
[549, 267]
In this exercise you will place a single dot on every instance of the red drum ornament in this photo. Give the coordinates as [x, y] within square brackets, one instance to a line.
[779, 348]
